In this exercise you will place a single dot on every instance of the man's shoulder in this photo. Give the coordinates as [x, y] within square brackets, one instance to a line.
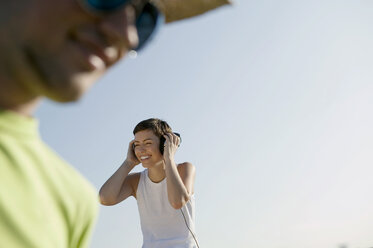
[72, 180]
[40, 164]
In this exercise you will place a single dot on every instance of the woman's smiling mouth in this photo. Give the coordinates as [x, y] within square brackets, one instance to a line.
[144, 158]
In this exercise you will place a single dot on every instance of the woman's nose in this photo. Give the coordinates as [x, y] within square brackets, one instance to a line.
[140, 148]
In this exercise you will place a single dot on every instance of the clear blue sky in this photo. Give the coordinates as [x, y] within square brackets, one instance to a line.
[274, 102]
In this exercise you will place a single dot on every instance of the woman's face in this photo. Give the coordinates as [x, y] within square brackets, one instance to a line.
[147, 148]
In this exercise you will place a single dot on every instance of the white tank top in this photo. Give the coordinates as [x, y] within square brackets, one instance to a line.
[163, 226]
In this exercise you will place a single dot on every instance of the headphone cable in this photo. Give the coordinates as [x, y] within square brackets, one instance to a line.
[189, 228]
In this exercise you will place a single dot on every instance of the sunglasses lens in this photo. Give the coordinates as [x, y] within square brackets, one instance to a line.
[106, 5]
[147, 21]
[147, 24]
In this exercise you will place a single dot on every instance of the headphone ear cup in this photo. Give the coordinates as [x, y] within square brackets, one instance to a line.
[177, 134]
[161, 144]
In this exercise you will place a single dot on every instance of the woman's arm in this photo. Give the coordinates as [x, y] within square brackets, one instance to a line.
[180, 179]
[121, 184]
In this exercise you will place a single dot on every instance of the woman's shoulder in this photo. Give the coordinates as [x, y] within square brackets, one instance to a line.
[135, 174]
[186, 167]
[185, 164]
[134, 179]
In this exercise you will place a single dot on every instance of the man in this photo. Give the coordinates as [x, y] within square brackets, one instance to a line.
[58, 49]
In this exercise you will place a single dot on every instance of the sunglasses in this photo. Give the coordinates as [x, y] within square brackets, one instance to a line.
[148, 18]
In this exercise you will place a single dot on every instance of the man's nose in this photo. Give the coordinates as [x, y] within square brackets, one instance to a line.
[120, 30]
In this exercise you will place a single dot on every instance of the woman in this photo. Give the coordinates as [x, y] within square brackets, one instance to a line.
[164, 190]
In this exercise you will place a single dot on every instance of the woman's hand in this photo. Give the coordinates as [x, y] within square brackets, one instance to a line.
[131, 156]
[170, 146]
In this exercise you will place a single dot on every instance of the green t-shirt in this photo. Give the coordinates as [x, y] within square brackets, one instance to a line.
[44, 202]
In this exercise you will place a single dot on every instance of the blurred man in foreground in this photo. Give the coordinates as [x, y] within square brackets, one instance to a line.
[58, 49]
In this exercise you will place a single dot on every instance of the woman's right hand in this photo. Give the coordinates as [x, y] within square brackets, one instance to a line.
[131, 157]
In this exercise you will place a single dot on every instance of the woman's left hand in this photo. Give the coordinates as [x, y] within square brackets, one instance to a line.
[170, 146]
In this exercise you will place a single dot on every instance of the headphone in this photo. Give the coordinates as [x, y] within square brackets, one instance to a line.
[162, 140]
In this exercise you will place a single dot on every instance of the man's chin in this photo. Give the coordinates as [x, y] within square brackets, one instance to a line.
[60, 81]
[70, 90]
[64, 96]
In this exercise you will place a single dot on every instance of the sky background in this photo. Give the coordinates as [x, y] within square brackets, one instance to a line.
[274, 102]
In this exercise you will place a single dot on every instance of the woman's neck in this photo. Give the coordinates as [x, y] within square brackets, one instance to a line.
[157, 173]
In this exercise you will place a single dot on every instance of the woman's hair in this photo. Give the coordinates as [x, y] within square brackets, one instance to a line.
[159, 127]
